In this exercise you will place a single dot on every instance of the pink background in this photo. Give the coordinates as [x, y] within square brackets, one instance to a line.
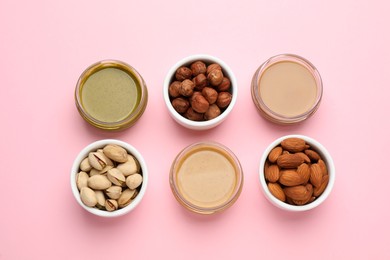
[45, 46]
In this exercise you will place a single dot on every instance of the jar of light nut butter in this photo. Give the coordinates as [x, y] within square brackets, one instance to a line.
[111, 95]
[287, 89]
[206, 178]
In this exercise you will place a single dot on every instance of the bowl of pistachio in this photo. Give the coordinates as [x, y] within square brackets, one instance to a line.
[109, 178]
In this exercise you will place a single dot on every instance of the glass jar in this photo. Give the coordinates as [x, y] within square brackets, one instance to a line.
[111, 95]
[286, 89]
[206, 178]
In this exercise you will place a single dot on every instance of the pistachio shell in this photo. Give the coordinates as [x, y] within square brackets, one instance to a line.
[115, 153]
[134, 181]
[85, 166]
[114, 192]
[111, 205]
[94, 172]
[106, 159]
[102, 172]
[125, 198]
[129, 167]
[99, 182]
[88, 197]
[135, 194]
[116, 176]
[101, 200]
[97, 161]
[82, 180]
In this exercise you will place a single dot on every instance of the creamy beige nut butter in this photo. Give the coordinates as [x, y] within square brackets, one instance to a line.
[287, 89]
[206, 178]
[111, 95]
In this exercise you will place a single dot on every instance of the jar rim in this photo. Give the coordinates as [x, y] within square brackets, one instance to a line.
[134, 114]
[227, 153]
[265, 110]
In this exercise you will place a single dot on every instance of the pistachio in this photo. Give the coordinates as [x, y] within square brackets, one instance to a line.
[133, 181]
[82, 180]
[101, 200]
[94, 172]
[135, 194]
[129, 167]
[99, 182]
[111, 205]
[85, 166]
[106, 169]
[102, 172]
[125, 198]
[107, 160]
[114, 192]
[115, 153]
[97, 161]
[88, 197]
[116, 176]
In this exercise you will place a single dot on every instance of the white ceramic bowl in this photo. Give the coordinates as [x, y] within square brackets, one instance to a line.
[199, 125]
[324, 155]
[93, 147]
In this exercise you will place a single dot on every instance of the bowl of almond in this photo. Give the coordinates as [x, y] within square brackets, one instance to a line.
[200, 91]
[296, 173]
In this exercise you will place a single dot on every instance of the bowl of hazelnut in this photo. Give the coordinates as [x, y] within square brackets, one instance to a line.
[296, 173]
[200, 91]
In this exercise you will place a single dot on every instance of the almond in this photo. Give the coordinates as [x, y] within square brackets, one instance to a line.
[290, 178]
[319, 190]
[296, 193]
[289, 200]
[277, 191]
[304, 156]
[274, 154]
[294, 144]
[304, 172]
[272, 173]
[289, 161]
[323, 167]
[315, 175]
[309, 189]
[314, 156]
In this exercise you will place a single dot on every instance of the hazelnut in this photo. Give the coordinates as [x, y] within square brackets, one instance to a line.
[210, 95]
[193, 115]
[200, 81]
[194, 95]
[186, 88]
[183, 73]
[180, 104]
[212, 67]
[225, 85]
[212, 112]
[174, 89]
[200, 104]
[224, 99]
[198, 67]
[215, 77]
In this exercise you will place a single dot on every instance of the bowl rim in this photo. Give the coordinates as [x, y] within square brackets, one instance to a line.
[327, 159]
[200, 125]
[100, 144]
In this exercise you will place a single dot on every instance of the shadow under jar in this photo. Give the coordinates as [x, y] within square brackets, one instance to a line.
[111, 95]
[286, 89]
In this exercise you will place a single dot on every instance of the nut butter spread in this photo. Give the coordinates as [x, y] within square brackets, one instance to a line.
[206, 177]
[110, 95]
